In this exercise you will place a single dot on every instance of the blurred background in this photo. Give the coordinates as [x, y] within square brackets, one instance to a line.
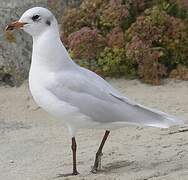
[142, 39]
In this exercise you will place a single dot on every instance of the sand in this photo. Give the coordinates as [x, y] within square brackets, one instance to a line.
[35, 146]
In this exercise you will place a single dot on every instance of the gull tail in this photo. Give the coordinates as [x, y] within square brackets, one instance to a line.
[155, 118]
[137, 114]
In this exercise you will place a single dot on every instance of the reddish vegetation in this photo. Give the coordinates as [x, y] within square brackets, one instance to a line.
[86, 43]
[143, 38]
[115, 39]
[154, 41]
[113, 14]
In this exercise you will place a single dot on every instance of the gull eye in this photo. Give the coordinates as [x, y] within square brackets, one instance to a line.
[35, 17]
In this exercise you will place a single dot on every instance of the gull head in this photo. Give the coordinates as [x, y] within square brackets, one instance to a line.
[34, 21]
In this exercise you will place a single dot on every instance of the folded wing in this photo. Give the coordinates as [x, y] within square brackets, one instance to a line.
[95, 98]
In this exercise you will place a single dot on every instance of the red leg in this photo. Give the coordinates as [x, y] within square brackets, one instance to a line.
[99, 153]
[74, 147]
[75, 172]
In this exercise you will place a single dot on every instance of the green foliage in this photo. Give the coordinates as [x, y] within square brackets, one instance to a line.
[176, 8]
[158, 42]
[112, 15]
[87, 15]
[114, 63]
[143, 38]
[135, 7]
[101, 14]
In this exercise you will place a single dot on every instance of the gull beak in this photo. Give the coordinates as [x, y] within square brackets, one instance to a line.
[15, 25]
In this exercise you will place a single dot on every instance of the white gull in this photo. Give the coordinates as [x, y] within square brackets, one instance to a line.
[73, 94]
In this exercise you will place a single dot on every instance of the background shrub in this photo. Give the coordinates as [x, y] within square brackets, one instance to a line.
[86, 43]
[114, 63]
[147, 39]
[158, 42]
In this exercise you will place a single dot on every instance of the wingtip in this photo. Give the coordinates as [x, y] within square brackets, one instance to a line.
[174, 121]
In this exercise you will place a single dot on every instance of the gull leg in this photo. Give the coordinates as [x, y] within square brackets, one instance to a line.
[74, 147]
[75, 172]
[97, 163]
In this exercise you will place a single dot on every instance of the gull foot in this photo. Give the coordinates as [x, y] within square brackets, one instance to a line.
[68, 174]
[97, 165]
[75, 173]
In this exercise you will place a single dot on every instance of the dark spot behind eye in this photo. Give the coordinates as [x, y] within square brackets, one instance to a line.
[48, 22]
[35, 17]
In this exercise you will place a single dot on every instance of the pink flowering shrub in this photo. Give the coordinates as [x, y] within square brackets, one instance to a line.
[147, 39]
[157, 42]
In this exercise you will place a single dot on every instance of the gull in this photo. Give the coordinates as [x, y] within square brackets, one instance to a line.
[78, 97]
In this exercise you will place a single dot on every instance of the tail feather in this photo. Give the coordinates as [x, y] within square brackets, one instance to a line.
[159, 118]
[137, 114]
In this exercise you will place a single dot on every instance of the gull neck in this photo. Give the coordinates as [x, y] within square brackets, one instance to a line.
[49, 51]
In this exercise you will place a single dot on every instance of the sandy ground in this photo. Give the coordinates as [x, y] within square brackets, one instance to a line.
[34, 146]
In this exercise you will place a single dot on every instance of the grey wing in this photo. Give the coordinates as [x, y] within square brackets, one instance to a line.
[95, 98]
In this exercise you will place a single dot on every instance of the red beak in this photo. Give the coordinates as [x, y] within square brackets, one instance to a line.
[14, 25]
